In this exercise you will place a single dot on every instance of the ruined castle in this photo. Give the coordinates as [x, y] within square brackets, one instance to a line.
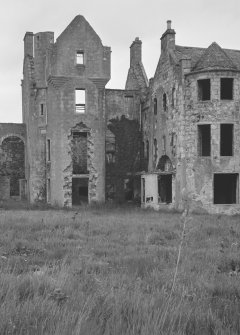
[164, 141]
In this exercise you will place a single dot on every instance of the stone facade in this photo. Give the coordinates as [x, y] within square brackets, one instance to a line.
[172, 138]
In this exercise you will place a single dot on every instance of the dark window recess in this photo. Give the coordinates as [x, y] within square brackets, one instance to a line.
[155, 106]
[226, 140]
[204, 89]
[225, 188]
[173, 96]
[41, 110]
[226, 88]
[147, 150]
[79, 153]
[155, 149]
[165, 188]
[204, 140]
[48, 150]
[164, 102]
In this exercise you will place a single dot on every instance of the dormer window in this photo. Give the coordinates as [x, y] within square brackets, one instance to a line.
[226, 88]
[204, 89]
[80, 58]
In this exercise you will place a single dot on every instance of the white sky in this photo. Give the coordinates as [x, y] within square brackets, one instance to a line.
[117, 22]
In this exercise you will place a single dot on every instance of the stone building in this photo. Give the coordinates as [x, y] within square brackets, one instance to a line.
[160, 141]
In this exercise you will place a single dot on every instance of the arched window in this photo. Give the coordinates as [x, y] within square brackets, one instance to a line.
[165, 164]
[155, 106]
[164, 102]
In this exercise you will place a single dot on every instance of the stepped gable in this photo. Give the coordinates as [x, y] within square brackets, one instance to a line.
[213, 58]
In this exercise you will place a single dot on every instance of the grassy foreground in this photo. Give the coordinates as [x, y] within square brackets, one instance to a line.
[102, 271]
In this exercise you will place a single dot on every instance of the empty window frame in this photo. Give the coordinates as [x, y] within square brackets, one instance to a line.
[147, 150]
[173, 96]
[204, 89]
[165, 102]
[155, 106]
[79, 57]
[80, 100]
[79, 152]
[41, 109]
[225, 188]
[226, 88]
[226, 139]
[155, 150]
[48, 150]
[204, 140]
[48, 190]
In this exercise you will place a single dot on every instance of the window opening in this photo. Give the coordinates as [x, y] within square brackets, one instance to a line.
[155, 149]
[204, 89]
[155, 106]
[164, 102]
[48, 190]
[48, 150]
[226, 88]
[80, 101]
[226, 140]
[225, 187]
[173, 96]
[41, 110]
[147, 151]
[204, 140]
[79, 152]
[80, 58]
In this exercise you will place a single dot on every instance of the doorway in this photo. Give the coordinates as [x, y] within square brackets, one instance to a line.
[79, 191]
[165, 188]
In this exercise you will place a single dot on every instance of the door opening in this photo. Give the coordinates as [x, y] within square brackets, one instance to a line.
[165, 188]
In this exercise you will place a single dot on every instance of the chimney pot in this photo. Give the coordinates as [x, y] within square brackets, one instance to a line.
[169, 22]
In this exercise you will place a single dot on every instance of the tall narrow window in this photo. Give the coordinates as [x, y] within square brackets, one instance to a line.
[80, 58]
[226, 88]
[155, 149]
[147, 151]
[41, 110]
[204, 140]
[226, 140]
[164, 143]
[204, 89]
[164, 102]
[80, 100]
[48, 150]
[173, 96]
[48, 190]
[155, 106]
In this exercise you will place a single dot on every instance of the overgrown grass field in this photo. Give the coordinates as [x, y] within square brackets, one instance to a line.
[102, 271]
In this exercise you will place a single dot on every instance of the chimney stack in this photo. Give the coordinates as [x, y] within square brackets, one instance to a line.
[168, 38]
[135, 52]
[28, 44]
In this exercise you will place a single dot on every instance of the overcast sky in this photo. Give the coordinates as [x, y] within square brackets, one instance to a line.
[117, 22]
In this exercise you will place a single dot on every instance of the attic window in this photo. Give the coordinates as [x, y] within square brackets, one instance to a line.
[155, 106]
[226, 88]
[204, 89]
[80, 101]
[80, 58]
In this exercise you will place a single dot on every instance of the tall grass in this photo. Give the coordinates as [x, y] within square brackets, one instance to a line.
[118, 271]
